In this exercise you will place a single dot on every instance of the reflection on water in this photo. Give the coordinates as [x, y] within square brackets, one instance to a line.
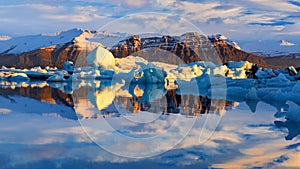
[39, 126]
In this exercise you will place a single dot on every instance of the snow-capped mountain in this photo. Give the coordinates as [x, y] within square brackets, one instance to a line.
[228, 41]
[270, 48]
[54, 49]
[46, 49]
[24, 44]
[189, 47]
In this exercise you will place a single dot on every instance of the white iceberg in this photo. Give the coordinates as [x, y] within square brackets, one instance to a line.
[101, 57]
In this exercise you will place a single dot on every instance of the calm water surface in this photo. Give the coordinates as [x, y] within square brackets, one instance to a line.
[140, 126]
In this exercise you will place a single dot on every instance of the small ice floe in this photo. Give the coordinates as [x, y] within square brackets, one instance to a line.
[14, 77]
[18, 77]
[69, 66]
[265, 73]
[56, 78]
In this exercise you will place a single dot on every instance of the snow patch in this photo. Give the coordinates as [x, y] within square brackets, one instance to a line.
[4, 38]
[286, 43]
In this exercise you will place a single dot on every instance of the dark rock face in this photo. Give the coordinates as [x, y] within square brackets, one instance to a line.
[189, 47]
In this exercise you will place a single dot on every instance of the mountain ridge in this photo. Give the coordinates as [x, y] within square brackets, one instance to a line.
[54, 49]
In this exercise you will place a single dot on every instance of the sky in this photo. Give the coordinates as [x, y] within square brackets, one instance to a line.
[247, 20]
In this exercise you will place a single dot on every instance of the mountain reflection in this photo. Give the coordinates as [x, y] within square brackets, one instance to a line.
[104, 96]
[102, 99]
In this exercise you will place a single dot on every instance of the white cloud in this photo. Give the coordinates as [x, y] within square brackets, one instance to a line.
[276, 5]
[132, 3]
[214, 16]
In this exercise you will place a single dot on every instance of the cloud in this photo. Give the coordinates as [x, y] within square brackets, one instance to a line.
[77, 14]
[272, 23]
[215, 16]
[275, 5]
[132, 3]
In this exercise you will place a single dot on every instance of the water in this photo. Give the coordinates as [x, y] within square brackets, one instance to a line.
[101, 126]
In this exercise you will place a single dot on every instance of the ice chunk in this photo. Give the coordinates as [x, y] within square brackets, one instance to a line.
[264, 73]
[101, 57]
[69, 66]
[197, 71]
[129, 62]
[220, 70]
[149, 73]
[241, 74]
[16, 77]
[239, 65]
[56, 78]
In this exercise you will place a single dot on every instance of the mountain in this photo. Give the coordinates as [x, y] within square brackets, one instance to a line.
[45, 49]
[73, 45]
[272, 48]
[189, 47]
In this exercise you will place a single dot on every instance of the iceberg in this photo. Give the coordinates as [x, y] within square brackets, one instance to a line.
[264, 73]
[17, 77]
[56, 78]
[101, 57]
[149, 73]
[69, 66]
[280, 80]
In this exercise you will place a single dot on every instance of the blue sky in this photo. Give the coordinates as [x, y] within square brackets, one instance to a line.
[249, 19]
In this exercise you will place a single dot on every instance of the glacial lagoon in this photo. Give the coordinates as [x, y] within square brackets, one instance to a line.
[67, 125]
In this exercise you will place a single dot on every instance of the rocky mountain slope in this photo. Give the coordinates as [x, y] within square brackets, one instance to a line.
[73, 45]
[189, 47]
[45, 50]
